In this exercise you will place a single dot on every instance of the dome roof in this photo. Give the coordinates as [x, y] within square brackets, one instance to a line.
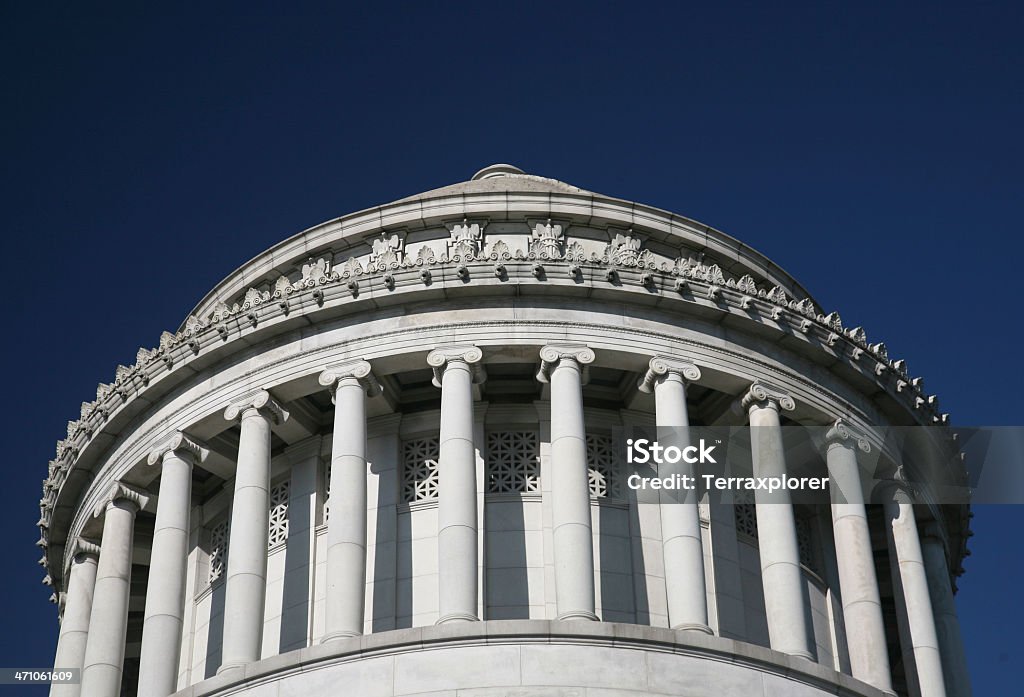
[502, 192]
[500, 178]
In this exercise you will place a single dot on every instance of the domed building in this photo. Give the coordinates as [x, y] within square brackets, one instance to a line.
[384, 458]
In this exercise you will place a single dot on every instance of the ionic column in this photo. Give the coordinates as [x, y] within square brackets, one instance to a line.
[456, 368]
[350, 384]
[165, 595]
[680, 520]
[862, 605]
[913, 601]
[562, 367]
[776, 526]
[74, 627]
[947, 625]
[108, 621]
[245, 590]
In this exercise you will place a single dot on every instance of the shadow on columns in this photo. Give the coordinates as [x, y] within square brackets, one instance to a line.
[215, 630]
[295, 613]
[507, 583]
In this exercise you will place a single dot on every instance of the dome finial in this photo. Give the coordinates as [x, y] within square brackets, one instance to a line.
[496, 170]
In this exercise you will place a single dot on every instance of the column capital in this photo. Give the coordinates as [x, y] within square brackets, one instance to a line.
[86, 546]
[898, 489]
[762, 395]
[260, 400]
[552, 354]
[187, 447]
[660, 366]
[439, 358]
[842, 433]
[121, 492]
[359, 369]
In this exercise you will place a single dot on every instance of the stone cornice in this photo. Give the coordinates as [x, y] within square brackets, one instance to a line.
[843, 433]
[121, 492]
[359, 369]
[552, 354]
[192, 449]
[661, 366]
[683, 286]
[260, 400]
[439, 358]
[763, 395]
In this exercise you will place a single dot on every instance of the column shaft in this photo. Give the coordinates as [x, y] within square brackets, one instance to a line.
[570, 495]
[776, 531]
[346, 534]
[680, 520]
[165, 595]
[947, 624]
[108, 622]
[862, 605]
[912, 596]
[246, 585]
[74, 627]
[457, 504]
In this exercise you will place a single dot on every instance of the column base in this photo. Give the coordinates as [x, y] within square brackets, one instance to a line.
[228, 667]
[578, 615]
[693, 627]
[457, 617]
[337, 636]
[806, 655]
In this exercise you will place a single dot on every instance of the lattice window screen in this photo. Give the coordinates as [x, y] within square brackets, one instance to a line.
[601, 461]
[419, 469]
[278, 513]
[218, 550]
[804, 542]
[746, 513]
[512, 462]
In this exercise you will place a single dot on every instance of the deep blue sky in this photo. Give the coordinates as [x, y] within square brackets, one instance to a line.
[873, 151]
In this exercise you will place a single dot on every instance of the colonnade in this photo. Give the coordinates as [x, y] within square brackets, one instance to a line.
[93, 631]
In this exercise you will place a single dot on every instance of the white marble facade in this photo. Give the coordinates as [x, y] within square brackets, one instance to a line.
[381, 455]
